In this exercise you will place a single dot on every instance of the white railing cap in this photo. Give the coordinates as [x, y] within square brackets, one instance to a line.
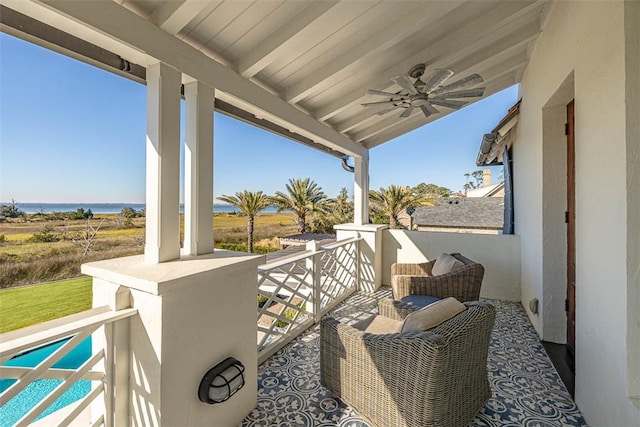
[339, 243]
[33, 336]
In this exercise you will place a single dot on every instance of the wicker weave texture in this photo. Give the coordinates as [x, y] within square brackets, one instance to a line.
[415, 279]
[415, 379]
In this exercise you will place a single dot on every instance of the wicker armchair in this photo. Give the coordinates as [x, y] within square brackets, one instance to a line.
[413, 379]
[415, 279]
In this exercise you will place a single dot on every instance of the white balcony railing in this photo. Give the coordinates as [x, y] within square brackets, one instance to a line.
[74, 329]
[295, 292]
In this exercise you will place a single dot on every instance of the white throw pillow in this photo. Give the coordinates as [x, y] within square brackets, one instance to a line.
[433, 315]
[445, 264]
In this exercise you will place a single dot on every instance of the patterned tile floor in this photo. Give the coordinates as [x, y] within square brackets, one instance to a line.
[527, 390]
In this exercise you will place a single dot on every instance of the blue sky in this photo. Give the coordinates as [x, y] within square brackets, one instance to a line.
[70, 132]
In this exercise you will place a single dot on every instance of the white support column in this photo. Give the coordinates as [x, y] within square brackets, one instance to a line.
[313, 264]
[198, 169]
[361, 190]
[163, 164]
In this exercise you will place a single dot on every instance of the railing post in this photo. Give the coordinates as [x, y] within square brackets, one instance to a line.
[115, 342]
[313, 265]
[357, 262]
[370, 253]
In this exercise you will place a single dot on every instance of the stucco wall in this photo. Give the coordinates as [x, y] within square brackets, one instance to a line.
[500, 256]
[460, 230]
[585, 40]
[192, 314]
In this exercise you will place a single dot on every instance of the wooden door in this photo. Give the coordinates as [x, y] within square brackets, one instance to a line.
[571, 231]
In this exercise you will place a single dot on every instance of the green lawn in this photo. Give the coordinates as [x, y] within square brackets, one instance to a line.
[38, 303]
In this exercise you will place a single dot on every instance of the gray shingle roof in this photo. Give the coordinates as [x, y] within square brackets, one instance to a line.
[462, 212]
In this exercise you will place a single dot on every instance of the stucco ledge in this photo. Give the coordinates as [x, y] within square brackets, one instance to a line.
[164, 277]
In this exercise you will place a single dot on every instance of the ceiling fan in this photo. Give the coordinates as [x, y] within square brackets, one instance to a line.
[425, 95]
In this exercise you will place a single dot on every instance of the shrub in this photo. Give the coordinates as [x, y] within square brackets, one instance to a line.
[262, 300]
[3, 238]
[80, 213]
[56, 216]
[11, 210]
[290, 314]
[241, 247]
[45, 235]
[123, 222]
[380, 218]
[273, 243]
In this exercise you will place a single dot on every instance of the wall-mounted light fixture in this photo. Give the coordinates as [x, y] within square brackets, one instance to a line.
[222, 381]
[533, 305]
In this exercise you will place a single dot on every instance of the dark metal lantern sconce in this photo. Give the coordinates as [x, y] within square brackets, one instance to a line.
[222, 381]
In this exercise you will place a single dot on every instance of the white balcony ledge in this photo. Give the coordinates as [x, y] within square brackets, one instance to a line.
[165, 277]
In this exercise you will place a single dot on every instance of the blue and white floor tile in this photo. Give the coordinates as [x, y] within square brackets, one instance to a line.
[527, 390]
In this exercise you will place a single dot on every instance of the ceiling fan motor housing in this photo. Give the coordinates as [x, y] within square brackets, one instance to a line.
[417, 71]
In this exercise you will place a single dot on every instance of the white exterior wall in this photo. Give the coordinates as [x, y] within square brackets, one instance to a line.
[583, 43]
[192, 313]
[370, 252]
[499, 254]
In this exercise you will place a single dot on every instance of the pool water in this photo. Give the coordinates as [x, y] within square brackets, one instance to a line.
[15, 409]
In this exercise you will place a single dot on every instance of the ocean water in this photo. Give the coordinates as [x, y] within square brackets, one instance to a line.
[104, 208]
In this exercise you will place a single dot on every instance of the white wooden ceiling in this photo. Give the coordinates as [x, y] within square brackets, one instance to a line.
[322, 56]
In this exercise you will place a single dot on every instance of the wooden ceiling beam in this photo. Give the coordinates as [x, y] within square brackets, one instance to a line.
[270, 49]
[173, 16]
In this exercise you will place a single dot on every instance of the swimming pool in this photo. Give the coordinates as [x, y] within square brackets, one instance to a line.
[14, 409]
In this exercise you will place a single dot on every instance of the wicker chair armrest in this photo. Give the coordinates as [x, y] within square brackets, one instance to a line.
[422, 269]
[395, 310]
[463, 284]
[331, 328]
[345, 339]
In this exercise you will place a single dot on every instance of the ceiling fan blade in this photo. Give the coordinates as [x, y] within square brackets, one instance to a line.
[407, 112]
[436, 79]
[449, 103]
[428, 109]
[468, 81]
[405, 83]
[386, 110]
[383, 93]
[467, 93]
[369, 104]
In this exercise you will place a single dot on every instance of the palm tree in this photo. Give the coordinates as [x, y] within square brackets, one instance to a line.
[250, 204]
[395, 199]
[303, 197]
[338, 211]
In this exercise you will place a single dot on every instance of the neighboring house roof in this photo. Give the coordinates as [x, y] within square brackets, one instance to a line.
[299, 247]
[301, 239]
[477, 212]
[487, 191]
[501, 137]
